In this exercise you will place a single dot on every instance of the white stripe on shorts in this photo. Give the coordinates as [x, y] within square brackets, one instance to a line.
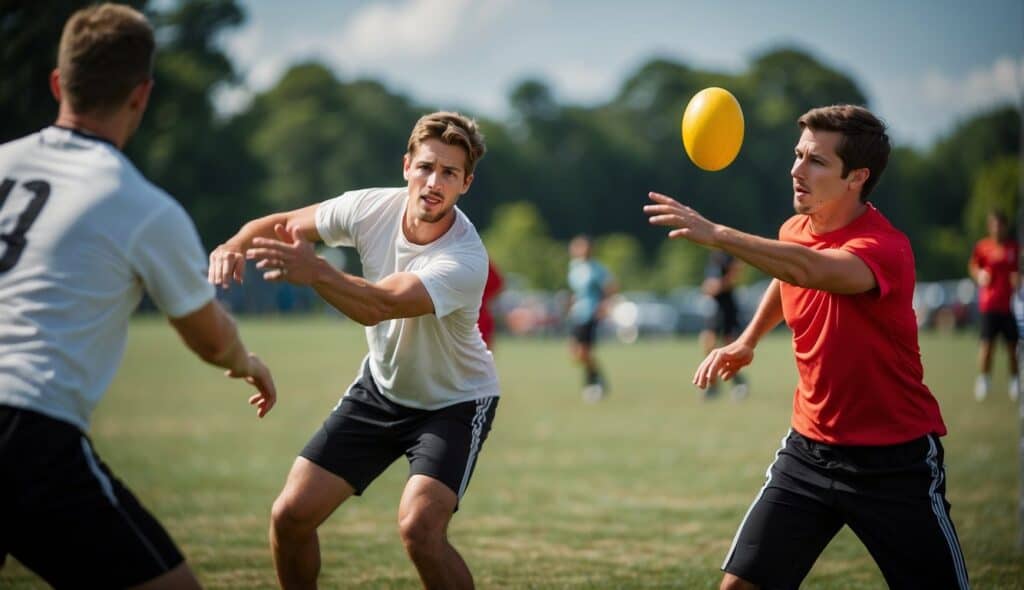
[482, 406]
[768, 480]
[939, 508]
[108, 491]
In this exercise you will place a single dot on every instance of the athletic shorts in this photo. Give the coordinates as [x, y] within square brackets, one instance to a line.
[367, 432]
[995, 324]
[64, 516]
[585, 332]
[726, 319]
[892, 497]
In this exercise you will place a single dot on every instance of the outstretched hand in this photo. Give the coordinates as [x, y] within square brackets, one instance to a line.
[723, 362]
[688, 224]
[258, 375]
[225, 264]
[289, 258]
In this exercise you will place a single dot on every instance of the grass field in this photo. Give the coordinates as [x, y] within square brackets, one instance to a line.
[643, 490]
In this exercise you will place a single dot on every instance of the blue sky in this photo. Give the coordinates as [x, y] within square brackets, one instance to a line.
[924, 65]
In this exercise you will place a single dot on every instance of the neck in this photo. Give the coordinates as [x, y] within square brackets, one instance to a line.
[823, 222]
[421, 232]
[109, 129]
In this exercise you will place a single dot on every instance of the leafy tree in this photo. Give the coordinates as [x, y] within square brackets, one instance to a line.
[518, 242]
[997, 186]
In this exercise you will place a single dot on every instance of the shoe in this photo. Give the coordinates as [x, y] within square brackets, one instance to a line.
[593, 393]
[1014, 389]
[981, 387]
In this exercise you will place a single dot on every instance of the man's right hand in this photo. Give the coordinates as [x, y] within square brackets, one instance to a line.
[226, 263]
[258, 375]
[723, 362]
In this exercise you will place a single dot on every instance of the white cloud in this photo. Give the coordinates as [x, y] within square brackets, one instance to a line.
[413, 29]
[578, 80]
[923, 108]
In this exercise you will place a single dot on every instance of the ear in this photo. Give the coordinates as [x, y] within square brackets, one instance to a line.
[139, 97]
[857, 178]
[406, 161]
[465, 185]
[55, 84]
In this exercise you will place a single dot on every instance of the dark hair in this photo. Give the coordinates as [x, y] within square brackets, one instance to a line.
[864, 143]
[451, 129]
[105, 52]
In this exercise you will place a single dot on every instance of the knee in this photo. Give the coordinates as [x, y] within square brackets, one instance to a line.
[422, 534]
[289, 518]
[731, 582]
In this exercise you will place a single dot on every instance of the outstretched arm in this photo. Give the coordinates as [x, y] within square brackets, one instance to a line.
[729, 359]
[292, 258]
[227, 261]
[835, 271]
[211, 334]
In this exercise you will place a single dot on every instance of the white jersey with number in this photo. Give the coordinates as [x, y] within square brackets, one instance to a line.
[82, 234]
[429, 361]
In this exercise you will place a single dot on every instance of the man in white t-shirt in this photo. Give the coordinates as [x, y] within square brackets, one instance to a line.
[428, 387]
[82, 234]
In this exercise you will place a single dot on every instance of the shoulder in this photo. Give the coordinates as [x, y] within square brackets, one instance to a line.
[793, 227]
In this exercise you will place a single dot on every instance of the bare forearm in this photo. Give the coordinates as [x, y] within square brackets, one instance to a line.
[262, 227]
[790, 263]
[353, 296]
[767, 316]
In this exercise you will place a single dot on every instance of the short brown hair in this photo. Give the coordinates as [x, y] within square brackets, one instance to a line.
[105, 52]
[864, 143]
[451, 129]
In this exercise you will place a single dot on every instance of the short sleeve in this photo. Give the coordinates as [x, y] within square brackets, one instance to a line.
[454, 282]
[335, 218]
[169, 258]
[886, 255]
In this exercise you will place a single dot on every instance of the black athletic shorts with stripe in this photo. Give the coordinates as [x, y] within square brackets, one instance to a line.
[64, 516]
[367, 432]
[892, 497]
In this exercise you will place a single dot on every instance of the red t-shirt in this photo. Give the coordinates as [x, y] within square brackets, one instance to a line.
[861, 380]
[491, 288]
[1000, 261]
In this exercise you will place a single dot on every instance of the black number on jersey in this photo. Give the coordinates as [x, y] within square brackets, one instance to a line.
[15, 239]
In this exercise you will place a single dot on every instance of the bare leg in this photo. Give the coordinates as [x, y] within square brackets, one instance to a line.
[423, 516]
[731, 582]
[985, 357]
[179, 578]
[1012, 350]
[310, 495]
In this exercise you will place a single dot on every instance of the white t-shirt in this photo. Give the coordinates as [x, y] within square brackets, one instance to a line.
[82, 233]
[431, 361]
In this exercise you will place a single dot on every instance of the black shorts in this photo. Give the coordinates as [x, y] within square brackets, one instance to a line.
[725, 321]
[994, 324]
[892, 497]
[367, 432]
[64, 516]
[586, 332]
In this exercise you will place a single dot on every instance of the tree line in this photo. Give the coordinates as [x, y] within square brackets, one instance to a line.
[552, 170]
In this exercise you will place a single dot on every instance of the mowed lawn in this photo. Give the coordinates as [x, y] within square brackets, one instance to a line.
[643, 490]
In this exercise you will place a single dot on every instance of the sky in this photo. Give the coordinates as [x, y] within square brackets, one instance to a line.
[924, 65]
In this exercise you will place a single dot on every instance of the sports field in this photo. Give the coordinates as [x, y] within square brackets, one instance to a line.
[643, 490]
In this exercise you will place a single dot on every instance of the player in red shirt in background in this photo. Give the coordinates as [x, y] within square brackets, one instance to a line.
[863, 449]
[491, 290]
[993, 266]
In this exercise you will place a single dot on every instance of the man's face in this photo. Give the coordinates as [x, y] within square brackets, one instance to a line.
[436, 176]
[817, 173]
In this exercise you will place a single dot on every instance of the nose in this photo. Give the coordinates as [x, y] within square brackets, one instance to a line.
[434, 179]
[797, 171]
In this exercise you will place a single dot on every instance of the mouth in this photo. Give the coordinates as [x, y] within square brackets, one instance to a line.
[800, 192]
[431, 199]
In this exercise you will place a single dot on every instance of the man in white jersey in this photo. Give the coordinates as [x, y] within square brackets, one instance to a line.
[428, 387]
[82, 233]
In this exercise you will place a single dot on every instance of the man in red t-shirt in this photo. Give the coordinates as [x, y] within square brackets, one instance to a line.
[863, 449]
[491, 289]
[993, 266]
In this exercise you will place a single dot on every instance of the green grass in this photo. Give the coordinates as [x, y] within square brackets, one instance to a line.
[644, 490]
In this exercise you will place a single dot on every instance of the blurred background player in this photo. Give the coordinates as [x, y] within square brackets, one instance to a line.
[491, 289]
[863, 449]
[993, 266]
[720, 275]
[84, 234]
[590, 285]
